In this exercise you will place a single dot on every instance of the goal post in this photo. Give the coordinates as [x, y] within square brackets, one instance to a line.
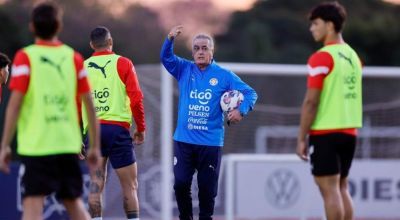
[166, 143]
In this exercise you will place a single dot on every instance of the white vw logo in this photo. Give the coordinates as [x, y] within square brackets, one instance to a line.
[282, 188]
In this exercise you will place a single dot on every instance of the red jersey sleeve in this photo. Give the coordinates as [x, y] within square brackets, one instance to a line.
[320, 64]
[82, 82]
[20, 72]
[127, 73]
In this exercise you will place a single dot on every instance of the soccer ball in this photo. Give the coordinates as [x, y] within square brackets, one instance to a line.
[231, 100]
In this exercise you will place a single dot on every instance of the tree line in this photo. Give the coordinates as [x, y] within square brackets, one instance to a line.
[272, 31]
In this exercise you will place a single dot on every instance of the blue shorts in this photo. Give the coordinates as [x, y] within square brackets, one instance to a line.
[116, 144]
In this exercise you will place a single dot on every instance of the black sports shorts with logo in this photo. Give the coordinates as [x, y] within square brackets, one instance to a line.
[331, 154]
[43, 175]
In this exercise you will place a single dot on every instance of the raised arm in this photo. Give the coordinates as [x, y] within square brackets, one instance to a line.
[170, 61]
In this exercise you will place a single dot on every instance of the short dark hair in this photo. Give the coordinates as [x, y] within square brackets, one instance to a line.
[46, 19]
[99, 36]
[4, 60]
[330, 11]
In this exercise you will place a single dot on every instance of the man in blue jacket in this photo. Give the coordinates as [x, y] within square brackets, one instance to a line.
[199, 135]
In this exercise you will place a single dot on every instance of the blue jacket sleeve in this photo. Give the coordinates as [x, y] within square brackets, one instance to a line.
[171, 62]
[250, 95]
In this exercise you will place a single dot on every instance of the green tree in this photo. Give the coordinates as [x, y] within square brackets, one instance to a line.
[136, 30]
[277, 31]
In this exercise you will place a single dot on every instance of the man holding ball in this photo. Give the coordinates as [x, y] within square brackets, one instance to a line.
[199, 135]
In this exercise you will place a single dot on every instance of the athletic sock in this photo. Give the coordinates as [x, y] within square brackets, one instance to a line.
[132, 215]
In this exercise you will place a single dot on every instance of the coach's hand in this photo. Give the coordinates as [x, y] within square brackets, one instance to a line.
[234, 116]
[301, 150]
[174, 32]
[138, 137]
[5, 159]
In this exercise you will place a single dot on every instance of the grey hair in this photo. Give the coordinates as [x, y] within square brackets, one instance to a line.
[204, 36]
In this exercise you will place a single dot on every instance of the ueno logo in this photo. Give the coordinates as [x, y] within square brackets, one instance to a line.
[203, 97]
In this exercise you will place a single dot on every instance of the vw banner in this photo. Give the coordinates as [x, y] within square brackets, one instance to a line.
[286, 190]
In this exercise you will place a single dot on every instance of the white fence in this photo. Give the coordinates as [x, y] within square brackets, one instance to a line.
[282, 187]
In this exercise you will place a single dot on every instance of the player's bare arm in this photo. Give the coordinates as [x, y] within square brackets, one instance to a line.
[308, 113]
[93, 153]
[12, 113]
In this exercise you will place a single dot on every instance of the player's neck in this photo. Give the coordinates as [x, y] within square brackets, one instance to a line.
[333, 38]
[51, 40]
[104, 49]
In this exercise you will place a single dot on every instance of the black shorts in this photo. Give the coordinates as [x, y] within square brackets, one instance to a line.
[331, 154]
[43, 175]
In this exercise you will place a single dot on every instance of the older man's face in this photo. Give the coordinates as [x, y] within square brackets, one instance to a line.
[202, 52]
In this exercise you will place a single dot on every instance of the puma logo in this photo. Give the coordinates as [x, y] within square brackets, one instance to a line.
[341, 55]
[53, 64]
[212, 167]
[102, 69]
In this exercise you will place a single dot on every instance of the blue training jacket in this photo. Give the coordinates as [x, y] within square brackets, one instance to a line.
[200, 117]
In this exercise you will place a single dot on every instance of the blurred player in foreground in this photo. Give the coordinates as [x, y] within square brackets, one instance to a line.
[46, 79]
